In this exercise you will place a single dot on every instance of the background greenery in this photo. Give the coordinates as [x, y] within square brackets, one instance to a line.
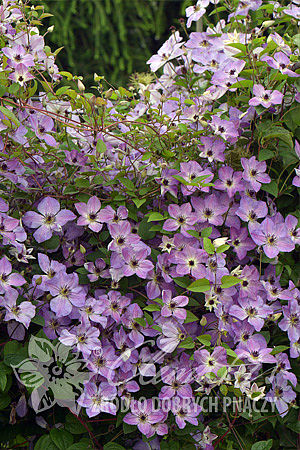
[110, 37]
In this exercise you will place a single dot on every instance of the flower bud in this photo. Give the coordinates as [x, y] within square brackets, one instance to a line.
[50, 29]
[38, 281]
[220, 241]
[203, 321]
[80, 85]
[268, 23]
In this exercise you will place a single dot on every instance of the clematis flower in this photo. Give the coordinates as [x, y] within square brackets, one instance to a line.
[9, 279]
[182, 217]
[254, 172]
[194, 13]
[272, 237]
[252, 310]
[291, 320]
[282, 394]
[281, 62]
[17, 55]
[89, 214]
[185, 412]
[169, 50]
[265, 97]
[190, 260]
[66, 292]
[20, 74]
[250, 209]
[85, 339]
[229, 181]
[144, 416]
[136, 262]
[98, 399]
[173, 305]
[172, 335]
[50, 218]
[22, 312]
[206, 362]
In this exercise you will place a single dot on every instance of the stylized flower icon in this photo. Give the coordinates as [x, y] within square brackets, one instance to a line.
[55, 375]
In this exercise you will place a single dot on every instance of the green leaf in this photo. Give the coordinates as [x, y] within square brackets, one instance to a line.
[38, 320]
[3, 381]
[222, 248]
[100, 146]
[141, 321]
[155, 216]
[144, 230]
[205, 339]
[206, 232]
[208, 246]
[279, 349]
[182, 281]
[262, 445]
[187, 343]
[45, 443]
[296, 40]
[61, 438]
[271, 188]
[113, 446]
[10, 115]
[127, 183]
[201, 285]
[82, 182]
[152, 308]
[4, 401]
[229, 281]
[223, 389]
[190, 317]
[138, 202]
[265, 154]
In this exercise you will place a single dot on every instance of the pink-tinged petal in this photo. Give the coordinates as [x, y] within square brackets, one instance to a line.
[238, 312]
[185, 391]
[42, 234]
[32, 219]
[171, 225]
[67, 338]
[82, 221]
[95, 226]
[48, 205]
[64, 216]
[131, 419]
[270, 251]
[94, 204]
[44, 262]
[81, 208]
[168, 345]
[15, 279]
[166, 392]
[146, 429]
[180, 313]
[165, 311]
[180, 422]
[49, 140]
[61, 307]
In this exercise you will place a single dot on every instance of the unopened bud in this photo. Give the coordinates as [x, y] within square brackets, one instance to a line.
[268, 23]
[203, 321]
[220, 241]
[82, 249]
[38, 281]
[80, 85]
[108, 93]
[50, 29]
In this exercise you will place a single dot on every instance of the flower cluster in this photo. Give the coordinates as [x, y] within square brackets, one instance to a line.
[153, 231]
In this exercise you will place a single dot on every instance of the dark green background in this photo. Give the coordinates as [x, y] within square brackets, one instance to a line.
[110, 37]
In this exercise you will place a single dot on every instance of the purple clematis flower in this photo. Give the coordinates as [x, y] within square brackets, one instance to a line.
[122, 236]
[254, 310]
[95, 269]
[182, 217]
[229, 181]
[281, 62]
[42, 126]
[136, 262]
[85, 339]
[66, 292]
[190, 260]
[281, 394]
[209, 209]
[178, 383]
[184, 412]
[206, 362]
[272, 237]
[173, 334]
[224, 128]
[291, 320]
[250, 209]
[89, 214]
[22, 313]
[144, 416]
[240, 241]
[173, 306]
[254, 172]
[9, 279]
[17, 55]
[265, 97]
[255, 350]
[98, 399]
[49, 219]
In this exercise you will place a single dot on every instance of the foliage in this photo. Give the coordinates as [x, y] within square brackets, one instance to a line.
[148, 240]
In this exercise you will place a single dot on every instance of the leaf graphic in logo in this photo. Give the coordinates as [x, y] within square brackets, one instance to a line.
[40, 349]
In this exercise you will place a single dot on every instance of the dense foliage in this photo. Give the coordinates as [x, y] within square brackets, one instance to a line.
[116, 36]
[148, 272]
